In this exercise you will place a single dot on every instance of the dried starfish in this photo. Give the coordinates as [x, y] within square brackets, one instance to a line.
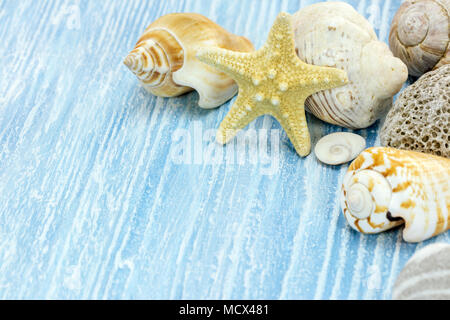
[274, 81]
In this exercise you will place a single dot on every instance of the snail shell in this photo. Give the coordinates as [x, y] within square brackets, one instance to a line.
[386, 187]
[420, 35]
[164, 58]
[339, 147]
[333, 34]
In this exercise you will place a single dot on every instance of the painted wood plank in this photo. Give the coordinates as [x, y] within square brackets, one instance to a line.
[107, 192]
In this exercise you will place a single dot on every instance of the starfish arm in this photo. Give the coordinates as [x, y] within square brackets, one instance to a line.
[233, 63]
[322, 78]
[332, 77]
[293, 120]
[242, 112]
[281, 35]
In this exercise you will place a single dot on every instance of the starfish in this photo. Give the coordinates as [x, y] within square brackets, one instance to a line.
[272, 80]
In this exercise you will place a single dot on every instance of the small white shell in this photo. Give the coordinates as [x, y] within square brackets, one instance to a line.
[339, 147]
[426, 275]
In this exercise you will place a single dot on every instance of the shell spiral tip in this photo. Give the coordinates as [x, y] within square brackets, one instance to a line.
[128, 61]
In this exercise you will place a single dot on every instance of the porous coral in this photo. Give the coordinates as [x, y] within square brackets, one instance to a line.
[420, 118]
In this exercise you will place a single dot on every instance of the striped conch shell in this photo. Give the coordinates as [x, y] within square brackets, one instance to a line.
[164, 58]
[426, 276]
[333, 34]
[386, 187]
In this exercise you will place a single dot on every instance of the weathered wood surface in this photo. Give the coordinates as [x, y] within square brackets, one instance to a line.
[98, 198]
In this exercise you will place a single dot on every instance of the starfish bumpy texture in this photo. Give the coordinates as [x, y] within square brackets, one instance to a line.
[274, 81]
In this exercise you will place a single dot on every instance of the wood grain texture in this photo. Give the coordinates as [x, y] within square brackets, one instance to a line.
[94, 205]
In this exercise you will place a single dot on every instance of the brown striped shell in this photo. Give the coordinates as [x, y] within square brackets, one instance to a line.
[420, 35]
[164, 59]
[333, 34]
[386, 187]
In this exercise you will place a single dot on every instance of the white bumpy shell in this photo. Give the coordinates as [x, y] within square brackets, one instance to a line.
[333, 34]
[386, 187]
[164, 59]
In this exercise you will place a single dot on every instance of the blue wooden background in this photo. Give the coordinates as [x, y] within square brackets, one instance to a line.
[109, 193]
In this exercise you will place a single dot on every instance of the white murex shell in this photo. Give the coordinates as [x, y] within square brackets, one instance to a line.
[333, 34]
[386, 187]
[164, 59]
[339, 147]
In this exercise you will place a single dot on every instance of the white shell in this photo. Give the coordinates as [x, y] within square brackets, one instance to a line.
[333, 34]
[164, 59]
[386, 187]
[339, 147]
[426, 275]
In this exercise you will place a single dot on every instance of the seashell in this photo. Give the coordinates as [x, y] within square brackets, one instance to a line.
[164, 59]
[420, 118]
[386, 187]
[339, 147]
[426, 275]
[333, 34]
[419, 35]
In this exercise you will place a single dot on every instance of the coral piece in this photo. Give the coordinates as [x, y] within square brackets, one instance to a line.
[420, 118]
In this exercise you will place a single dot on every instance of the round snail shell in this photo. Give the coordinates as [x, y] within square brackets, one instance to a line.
[333, 34]
[386, 187]
[339, 147]
[164, 58]
[419, 35]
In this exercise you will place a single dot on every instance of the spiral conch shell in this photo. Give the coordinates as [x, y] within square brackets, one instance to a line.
[333, 34]
[420, 35]
[386, 187]
[164, 58]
